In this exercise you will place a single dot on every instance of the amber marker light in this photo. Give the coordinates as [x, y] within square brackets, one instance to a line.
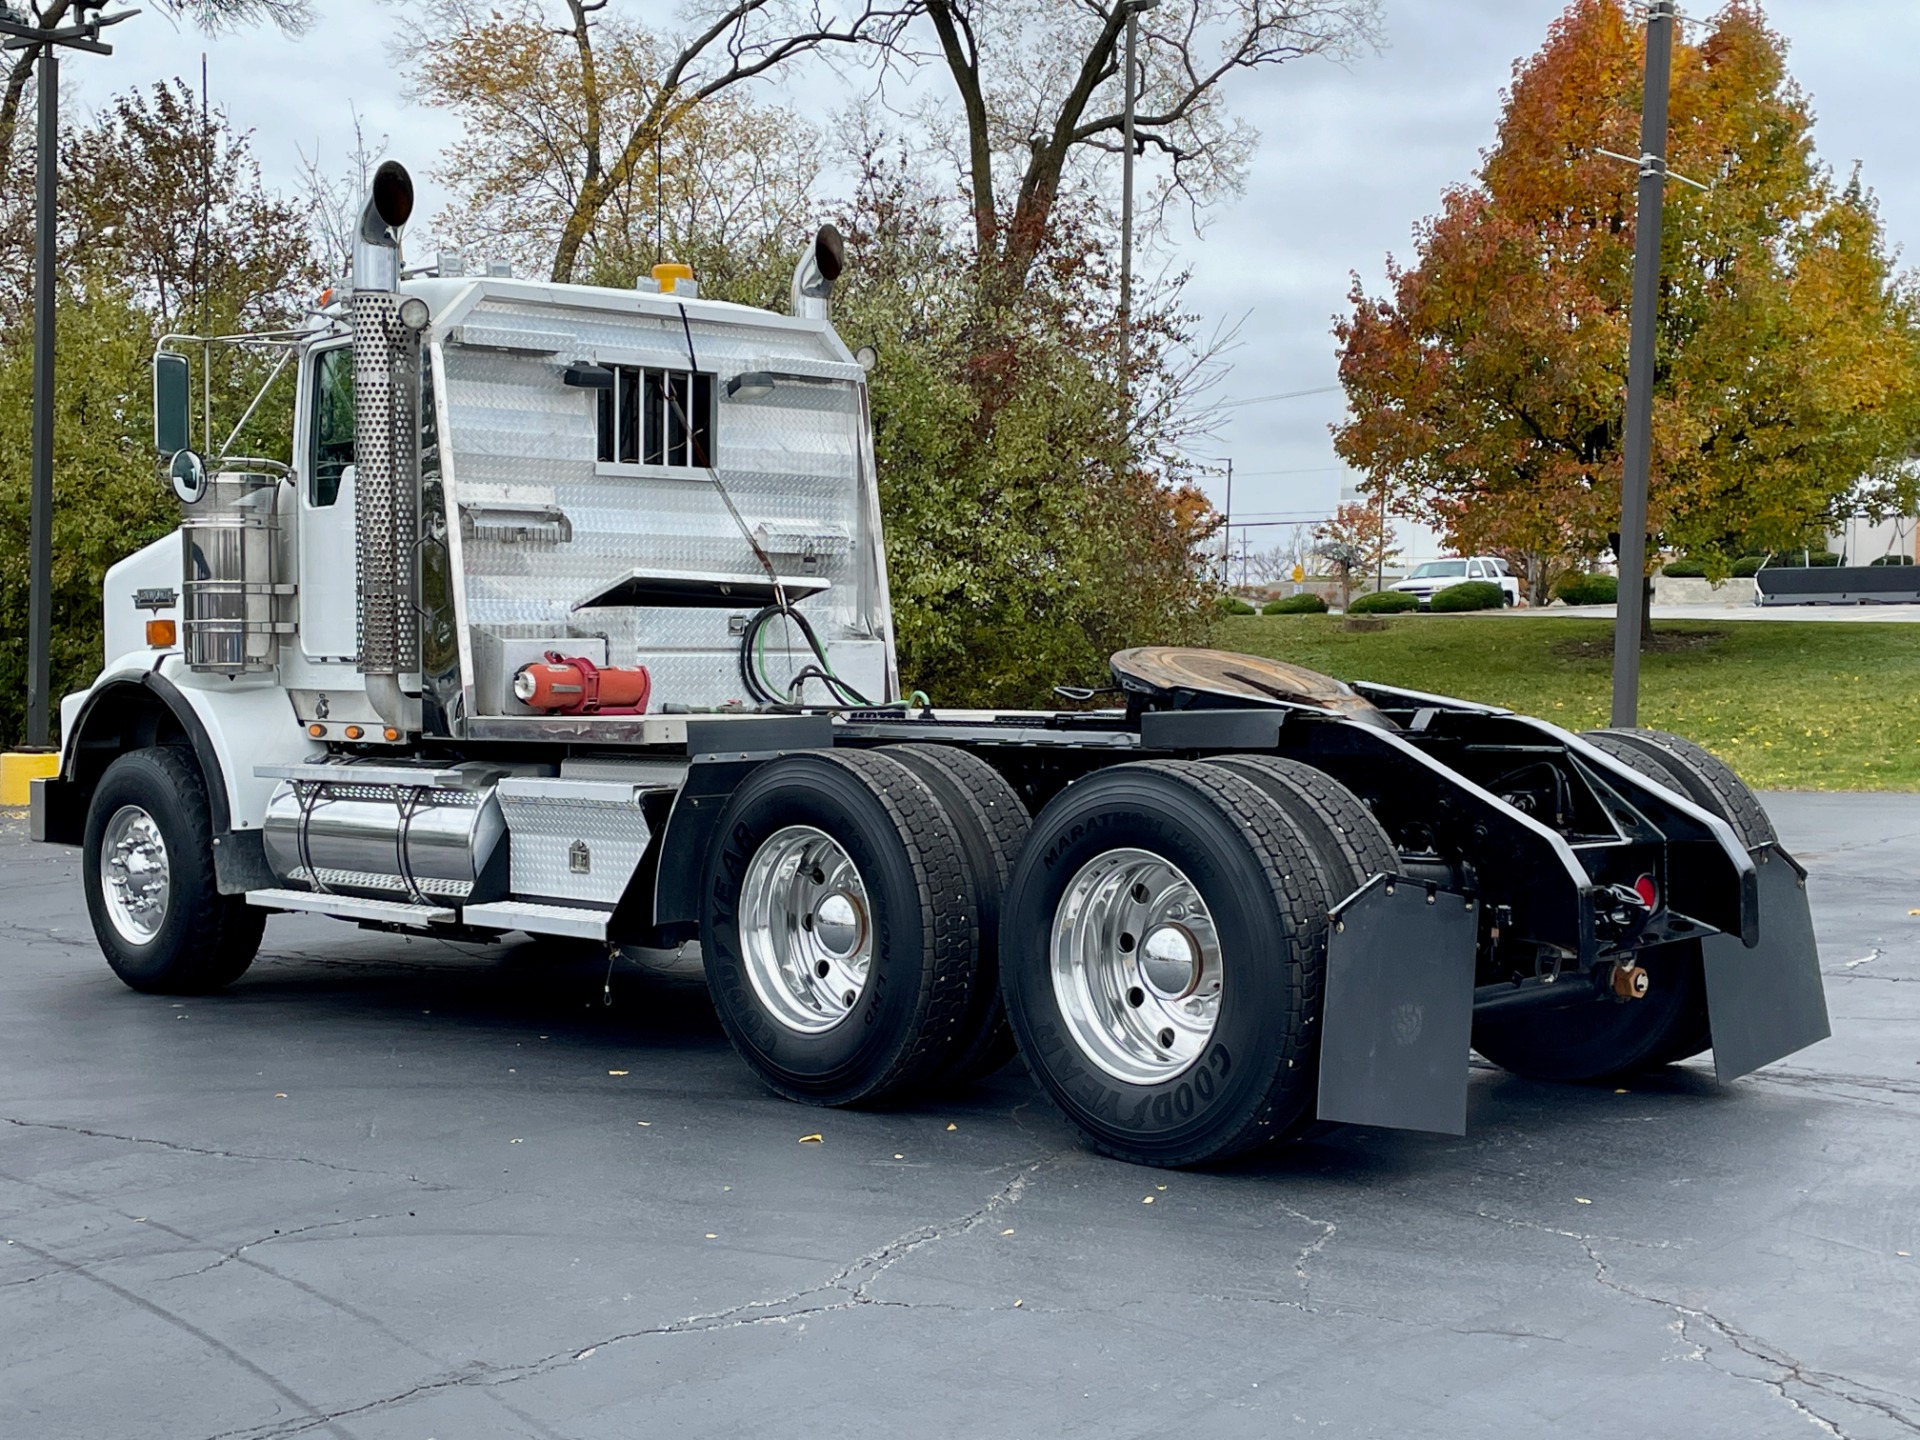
[354, 732]
[391, 733]
[161, 634]
[316, 731]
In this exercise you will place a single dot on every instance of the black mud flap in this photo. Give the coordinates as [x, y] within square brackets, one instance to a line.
[1766, 1002]
[1398, 1018]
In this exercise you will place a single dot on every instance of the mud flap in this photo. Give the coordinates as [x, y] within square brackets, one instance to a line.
[1398, 1017]
[1766, 1002]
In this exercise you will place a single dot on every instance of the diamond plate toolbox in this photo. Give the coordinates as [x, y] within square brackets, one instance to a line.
[573, 840]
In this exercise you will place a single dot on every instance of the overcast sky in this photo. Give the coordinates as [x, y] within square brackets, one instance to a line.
[1350, 159]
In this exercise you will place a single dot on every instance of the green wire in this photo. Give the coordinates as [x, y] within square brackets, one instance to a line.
[918, 698]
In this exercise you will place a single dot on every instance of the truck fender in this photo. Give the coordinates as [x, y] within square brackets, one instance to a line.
[134, 709]
[688, 836]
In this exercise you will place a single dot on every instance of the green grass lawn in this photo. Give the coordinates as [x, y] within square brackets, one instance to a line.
[1790, 705]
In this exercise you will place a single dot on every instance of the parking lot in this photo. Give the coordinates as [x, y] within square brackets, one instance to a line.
[393, 1187]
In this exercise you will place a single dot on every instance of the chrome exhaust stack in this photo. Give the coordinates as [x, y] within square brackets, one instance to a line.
[813, 277]
[386, 382]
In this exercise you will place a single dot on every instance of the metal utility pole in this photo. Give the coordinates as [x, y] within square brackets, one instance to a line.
[1134, 8]
[1380, 555]
[40, 527]
[23, 35]
[1637, 444]
[1226, 526]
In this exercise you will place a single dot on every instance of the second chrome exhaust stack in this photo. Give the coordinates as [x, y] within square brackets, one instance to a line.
[386, 382]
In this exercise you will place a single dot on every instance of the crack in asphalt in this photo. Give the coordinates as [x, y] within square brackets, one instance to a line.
[228, 1257]
[1328, 1229]
[219, 1154]
[863, 1272]
[212, 1342]
[56, 937]
[1839, 1087]
[1793, 1372]
[84, 1269]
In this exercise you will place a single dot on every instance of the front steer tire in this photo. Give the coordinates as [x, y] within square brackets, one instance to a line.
[839, 928]
[1119, 852]
[165, 930]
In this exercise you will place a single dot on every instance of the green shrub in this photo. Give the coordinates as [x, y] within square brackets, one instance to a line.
[1472, 595]
[1892, 560]
[1305, 603]
[1579, 589]
[1748, 566]
[1823, 557]
[1684, 569]
[1233, 605]
[1382, 602]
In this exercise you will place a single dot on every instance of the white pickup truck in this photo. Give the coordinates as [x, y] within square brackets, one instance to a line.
[1431, 576]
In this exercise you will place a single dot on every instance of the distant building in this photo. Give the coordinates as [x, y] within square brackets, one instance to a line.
[1864, 541]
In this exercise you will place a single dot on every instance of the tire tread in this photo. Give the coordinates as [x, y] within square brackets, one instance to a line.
[993, 824]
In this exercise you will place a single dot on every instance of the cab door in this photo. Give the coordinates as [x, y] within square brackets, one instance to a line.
[329, 612]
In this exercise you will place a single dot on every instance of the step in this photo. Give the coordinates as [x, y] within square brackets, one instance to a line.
[571, 921]
[353, 907]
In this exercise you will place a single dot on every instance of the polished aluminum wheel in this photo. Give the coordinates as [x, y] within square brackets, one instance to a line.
[1136, 965]
[806, 930]
[134, 880]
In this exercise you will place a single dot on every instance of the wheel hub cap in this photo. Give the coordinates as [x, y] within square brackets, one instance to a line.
[1137, 967]
[134, 874]
[805, 932]
[1170, 962]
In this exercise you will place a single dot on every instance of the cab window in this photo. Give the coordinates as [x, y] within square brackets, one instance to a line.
[332, 424]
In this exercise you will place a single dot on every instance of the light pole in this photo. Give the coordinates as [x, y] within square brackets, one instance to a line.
[1637, 443]
[46, 43]
[1134, 7]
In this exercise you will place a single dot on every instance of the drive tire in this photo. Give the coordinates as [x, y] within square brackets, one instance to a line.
[1695, 772]
[1353, 846]
[917, 916]
[991, 823]
[1265, 893]
[154, 801]
[1609, 1041]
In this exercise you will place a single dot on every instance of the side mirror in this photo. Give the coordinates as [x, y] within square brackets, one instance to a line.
[172, 403]
[189, 475]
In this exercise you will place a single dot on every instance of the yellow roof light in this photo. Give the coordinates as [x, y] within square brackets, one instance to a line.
[671, 273]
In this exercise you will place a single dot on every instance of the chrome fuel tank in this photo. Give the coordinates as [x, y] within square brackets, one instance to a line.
[391, 833]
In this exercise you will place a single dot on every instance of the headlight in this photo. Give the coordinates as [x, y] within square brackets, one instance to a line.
[414, 313]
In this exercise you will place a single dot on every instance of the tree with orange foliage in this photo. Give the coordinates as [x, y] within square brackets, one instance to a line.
[1488, 388]
[1354, 544]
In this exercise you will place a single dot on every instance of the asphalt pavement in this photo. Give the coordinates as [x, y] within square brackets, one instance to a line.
[391, 1187]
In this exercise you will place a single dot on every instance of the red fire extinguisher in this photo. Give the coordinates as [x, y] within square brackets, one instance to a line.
[574, 685]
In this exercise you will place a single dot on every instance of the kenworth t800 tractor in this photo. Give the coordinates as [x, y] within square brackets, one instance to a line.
[570, 617]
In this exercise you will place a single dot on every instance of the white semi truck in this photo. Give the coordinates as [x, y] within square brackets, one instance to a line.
[570, 618]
